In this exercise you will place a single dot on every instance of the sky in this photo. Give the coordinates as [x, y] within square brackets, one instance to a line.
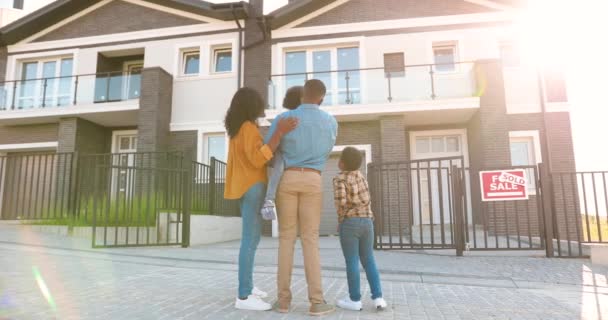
[570, 34]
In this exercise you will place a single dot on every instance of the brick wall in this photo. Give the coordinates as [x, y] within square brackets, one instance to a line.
[257, 58]
[184, 141]
[154, 110]
[365, 10]
[28, 133]
[117, 17]
[395, 216]
[76, 134]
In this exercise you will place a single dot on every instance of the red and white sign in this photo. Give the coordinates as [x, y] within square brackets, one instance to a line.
[504, 185]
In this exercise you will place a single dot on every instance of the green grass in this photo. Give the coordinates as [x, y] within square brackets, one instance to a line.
[593, 234]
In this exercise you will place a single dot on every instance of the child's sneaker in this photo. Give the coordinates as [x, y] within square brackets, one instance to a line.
[348, 304]
[380, 303]
[268, 210]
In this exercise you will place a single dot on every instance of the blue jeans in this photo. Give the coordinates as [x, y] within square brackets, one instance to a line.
[251, 204]
[357, 238]
[275, 172]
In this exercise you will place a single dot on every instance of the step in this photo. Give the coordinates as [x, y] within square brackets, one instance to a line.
[599, 253]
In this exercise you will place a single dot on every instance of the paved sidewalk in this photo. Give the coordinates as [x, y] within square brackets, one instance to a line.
[76, 282]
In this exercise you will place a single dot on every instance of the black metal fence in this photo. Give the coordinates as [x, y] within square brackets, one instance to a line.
[129, 199]
[208, 190]
[578, 210]
[509, 224]
[37, 186]
[414, 203]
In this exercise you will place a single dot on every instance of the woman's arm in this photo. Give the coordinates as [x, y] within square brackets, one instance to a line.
[256, 151]
[284, 126]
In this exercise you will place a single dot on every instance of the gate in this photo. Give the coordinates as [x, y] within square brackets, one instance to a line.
[436, 204]
[507, 224]
[135, 199]
[418, 203]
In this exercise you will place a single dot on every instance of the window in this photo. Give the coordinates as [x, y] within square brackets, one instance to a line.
[445, 56]
[215, 146]
[222, 60]
[394, 64]
[438, 144]
[555, 86]
[46, 82]
[338, 68]
[190, 62]
[525, 151]
[509, 55]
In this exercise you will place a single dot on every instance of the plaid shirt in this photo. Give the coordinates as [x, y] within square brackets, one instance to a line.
[351, 196]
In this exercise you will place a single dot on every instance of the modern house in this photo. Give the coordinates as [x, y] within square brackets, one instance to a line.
[407, 80]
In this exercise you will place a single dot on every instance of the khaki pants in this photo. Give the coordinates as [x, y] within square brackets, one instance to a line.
[299, 204]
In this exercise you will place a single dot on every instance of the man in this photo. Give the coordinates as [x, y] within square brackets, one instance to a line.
[299, 196]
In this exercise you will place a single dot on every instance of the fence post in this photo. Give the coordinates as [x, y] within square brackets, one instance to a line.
[187, 181]
[546, 190]
[212, 185]
[458, 210]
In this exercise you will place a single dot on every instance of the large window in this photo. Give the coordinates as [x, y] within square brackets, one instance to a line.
[338, 68]
[445, 57]
[190, 64]
[222, 60]
[46, 82]
[214, 146]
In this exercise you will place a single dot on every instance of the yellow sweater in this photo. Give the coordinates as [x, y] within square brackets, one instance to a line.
[247, 158]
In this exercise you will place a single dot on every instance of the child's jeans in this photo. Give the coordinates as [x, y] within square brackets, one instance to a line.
[357, 238]
[275, 172]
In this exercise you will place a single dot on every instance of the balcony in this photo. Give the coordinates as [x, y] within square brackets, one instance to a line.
[378, 90]
[47, 98]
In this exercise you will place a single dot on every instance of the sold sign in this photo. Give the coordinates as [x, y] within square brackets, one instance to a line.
[503, 185]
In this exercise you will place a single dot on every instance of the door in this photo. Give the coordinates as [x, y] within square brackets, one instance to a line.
[132, 71]
[431, 179]
[125, 146]
[329, 216]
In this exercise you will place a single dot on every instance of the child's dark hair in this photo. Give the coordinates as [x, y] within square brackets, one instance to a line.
[293, 98]
[351, 159]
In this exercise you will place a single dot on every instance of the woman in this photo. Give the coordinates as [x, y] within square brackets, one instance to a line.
[246, 181]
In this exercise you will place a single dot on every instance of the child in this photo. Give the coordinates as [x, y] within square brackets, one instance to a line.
[276, 166]
[352, 200]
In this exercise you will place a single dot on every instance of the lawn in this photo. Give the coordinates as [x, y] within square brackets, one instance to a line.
[594, 234]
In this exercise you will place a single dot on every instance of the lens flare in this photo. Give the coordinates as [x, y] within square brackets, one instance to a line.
[43, 288]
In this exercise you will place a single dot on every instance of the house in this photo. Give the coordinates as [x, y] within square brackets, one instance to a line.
[417, 80]
[410, 81]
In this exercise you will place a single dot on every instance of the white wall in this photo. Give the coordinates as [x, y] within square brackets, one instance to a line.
[8, 15]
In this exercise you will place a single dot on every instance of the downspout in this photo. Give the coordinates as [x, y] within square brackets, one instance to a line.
[543, 106]
[240, 46]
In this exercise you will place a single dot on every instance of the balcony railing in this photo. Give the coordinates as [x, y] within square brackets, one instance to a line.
[383, 85]
[69, 91]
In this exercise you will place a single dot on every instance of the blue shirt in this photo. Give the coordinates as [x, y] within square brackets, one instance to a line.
[309, 145]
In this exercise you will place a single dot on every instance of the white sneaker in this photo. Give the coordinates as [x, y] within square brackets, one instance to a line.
[348, 304]
[259, 293]
[380, 303]
[252, 303]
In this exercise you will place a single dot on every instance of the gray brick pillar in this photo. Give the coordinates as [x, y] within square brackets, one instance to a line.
[258, 54]
[395, 181]
[154, 110]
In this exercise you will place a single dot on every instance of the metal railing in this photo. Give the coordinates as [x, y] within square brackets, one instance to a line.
[383, 85]
[217, 182]
[69, 90]
[579, 206]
